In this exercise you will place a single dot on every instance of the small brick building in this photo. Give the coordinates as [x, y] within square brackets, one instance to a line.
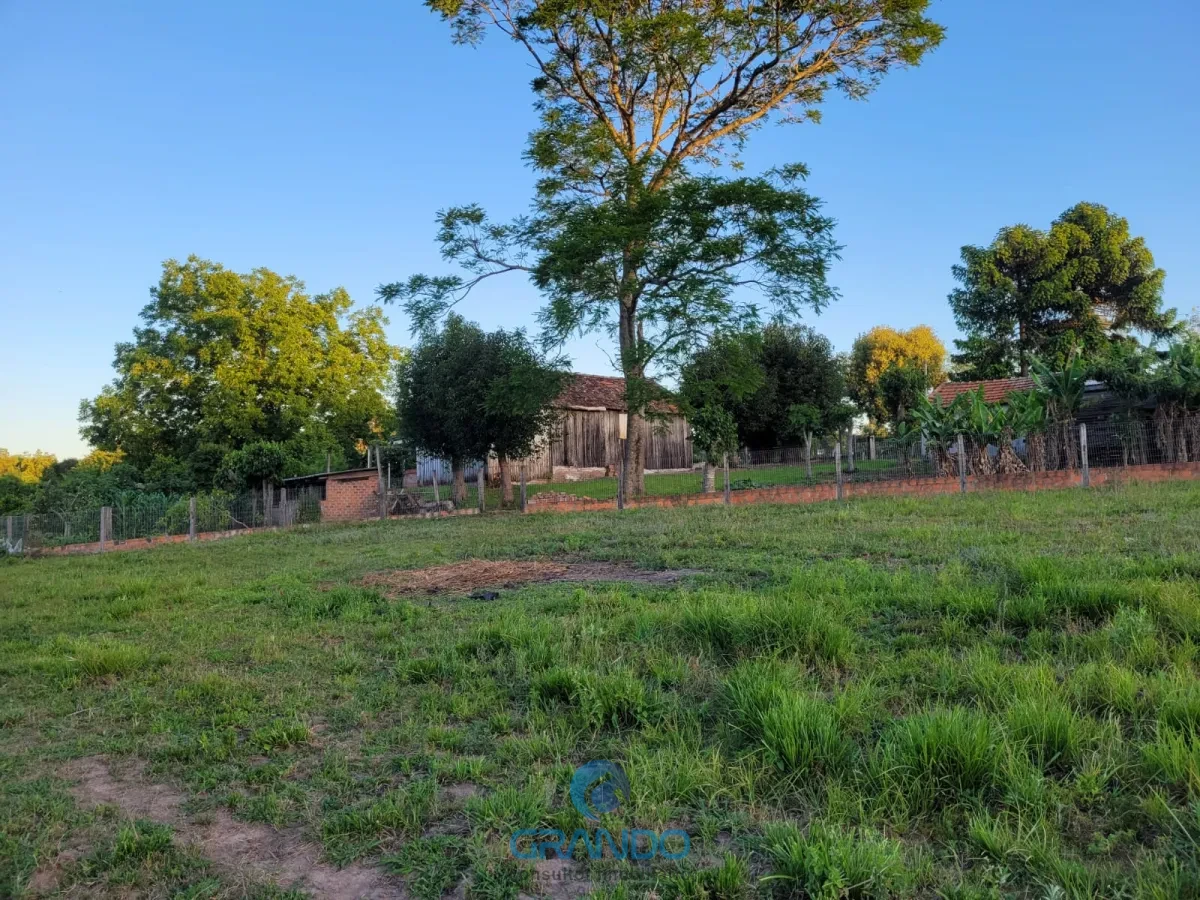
[345, 496]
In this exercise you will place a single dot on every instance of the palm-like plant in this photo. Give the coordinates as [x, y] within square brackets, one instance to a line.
[980, 424]
[1062, 393]
[1176, 384]
[941, 424]
[1025, 414]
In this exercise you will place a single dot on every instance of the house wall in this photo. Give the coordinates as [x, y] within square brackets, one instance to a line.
[592, 438]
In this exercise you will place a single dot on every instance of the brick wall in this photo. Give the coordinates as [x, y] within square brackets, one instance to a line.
[350, 499]
[908, 487]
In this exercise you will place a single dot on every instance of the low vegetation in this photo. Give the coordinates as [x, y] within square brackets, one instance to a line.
[962, 697]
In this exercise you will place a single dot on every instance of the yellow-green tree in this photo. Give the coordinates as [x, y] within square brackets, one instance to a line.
[27, 467]
[917, 351]
[223, 359]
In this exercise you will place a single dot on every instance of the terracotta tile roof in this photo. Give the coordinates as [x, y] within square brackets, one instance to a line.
[993, 391]
[599, 392]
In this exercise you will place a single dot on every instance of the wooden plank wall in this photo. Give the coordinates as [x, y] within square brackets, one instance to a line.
[593, 438]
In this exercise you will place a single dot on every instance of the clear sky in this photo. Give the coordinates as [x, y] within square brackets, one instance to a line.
[319, 139]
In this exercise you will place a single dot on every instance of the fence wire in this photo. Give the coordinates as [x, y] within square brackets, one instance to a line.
[1059, 446]
[150, 517]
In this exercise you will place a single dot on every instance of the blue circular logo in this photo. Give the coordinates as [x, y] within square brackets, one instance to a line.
[599, 787]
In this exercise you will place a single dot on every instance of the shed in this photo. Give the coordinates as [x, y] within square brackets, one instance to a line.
[345, 496]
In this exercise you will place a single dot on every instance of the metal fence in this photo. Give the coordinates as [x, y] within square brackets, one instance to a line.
[1061, 446]
[149, 517]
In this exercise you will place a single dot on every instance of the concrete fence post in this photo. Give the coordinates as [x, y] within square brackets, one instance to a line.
[725, 464]
[191, 518]
[837, 467]
[9, 529]
[850, 450]
[524, 494]
[871, 445]
[1085, 474]
[105, 526]
[383, 497]
[962, 466]
[482, 481]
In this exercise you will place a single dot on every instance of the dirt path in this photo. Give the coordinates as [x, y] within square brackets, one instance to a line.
[258, 851]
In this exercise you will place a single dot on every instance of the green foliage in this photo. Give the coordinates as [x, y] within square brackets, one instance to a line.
[16, 496]
[1040, 294]
[519, 389]
[940, 757]
[252, 465]
[465, 393]
[626, 235]
[227, 359]
[778, 383]
[901, 387]
[442, 391]
[829, 863]
[714, 432]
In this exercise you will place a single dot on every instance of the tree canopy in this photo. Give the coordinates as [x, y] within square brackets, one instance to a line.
[1035, 293]
[917, 352]
[465, 393]
[779, 383]
[626, 236]
[223, 359]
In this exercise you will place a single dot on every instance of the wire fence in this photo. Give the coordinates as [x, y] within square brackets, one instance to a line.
[859, 459]
[141, 517]
[1060, 446]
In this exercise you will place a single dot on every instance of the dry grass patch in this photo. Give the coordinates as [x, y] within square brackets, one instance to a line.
[474, 574]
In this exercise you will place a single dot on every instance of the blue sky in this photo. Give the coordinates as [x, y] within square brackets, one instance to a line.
[319, 139]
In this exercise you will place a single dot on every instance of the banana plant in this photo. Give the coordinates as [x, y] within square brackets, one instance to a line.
[941, 423]
[1025, 414]
[1062, 392]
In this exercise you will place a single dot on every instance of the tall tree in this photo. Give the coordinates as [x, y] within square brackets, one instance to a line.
[1035, 293]
[913, 354]
[223, 359]
[779, 383]
[441, 398]
[625, 236]
[518, 392]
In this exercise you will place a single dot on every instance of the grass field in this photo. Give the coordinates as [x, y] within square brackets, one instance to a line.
[964, 697]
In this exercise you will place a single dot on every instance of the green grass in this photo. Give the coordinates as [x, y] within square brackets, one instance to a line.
[994, 695]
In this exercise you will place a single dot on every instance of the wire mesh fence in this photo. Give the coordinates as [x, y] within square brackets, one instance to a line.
[152, 516]
[1059, 446]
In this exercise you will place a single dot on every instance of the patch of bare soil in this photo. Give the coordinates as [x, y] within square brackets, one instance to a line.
[560, 879]
[259, 851]
[474, 574]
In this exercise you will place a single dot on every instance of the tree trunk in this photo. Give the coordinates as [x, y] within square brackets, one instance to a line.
[633, 367]
[808, 454]
[506, 488]
[459, 494]
[710, 477]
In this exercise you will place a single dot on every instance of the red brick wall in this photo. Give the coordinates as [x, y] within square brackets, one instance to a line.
[1032, 481]
[350, 499]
